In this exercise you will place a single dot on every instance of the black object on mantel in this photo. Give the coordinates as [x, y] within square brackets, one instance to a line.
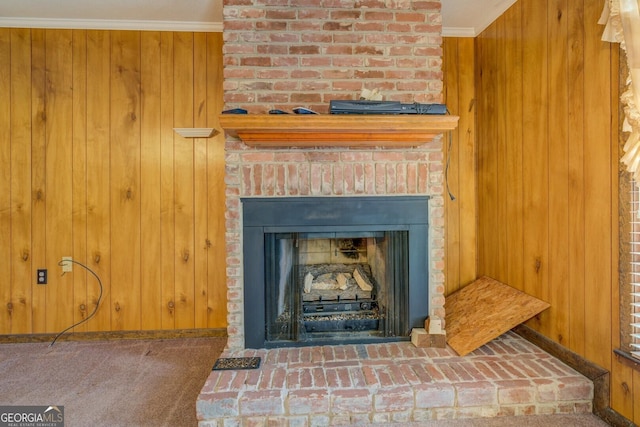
[384, 107]
[235, 111]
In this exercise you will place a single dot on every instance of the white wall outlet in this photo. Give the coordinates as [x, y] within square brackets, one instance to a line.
[67, 265]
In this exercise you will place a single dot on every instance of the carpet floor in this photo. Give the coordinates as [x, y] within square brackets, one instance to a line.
[150, 383]
[111, 383]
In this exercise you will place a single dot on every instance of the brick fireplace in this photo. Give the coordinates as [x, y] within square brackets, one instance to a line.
[279, 56]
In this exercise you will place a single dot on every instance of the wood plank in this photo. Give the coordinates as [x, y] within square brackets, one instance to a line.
[558, 295]
[598, 214]
[167, 172]
[481, 41]
[452, 152]
[622, 389]
[535, 150]
[467, 168]
[216, 254]
[404, 130]
[487, 160]
[5, 177]
[484, 310]
[38, 175]
[576, 197]
[636, 401]
[184, 181]
[461, 255]
[621, 396]
[514, 188]
[201, 185]
[98, 176]
[150, 160]
[125, 180]
[502, 152]
[79, 180]
[20, 168]
[59, 164]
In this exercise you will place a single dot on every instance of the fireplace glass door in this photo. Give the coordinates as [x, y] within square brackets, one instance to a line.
[336, 286]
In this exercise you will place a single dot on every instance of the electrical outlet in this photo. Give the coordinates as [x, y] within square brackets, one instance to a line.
[67, 265]
[41, 278]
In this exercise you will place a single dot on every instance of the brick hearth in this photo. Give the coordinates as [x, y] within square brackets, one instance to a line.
[396, 382]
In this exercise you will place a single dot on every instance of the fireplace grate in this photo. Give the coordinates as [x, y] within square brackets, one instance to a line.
[335, 316]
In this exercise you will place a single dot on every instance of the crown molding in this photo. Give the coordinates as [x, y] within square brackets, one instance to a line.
[147, 25]
[459, 32]
[106, 24]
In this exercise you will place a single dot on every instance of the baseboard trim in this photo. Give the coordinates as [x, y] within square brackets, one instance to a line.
[116, 335]
[597, 374]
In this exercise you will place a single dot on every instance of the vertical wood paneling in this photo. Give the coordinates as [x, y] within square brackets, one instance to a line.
[563, 126]
[500, 120]
[621, 381]
[598, 187]
[487, 161]
[201, 214]
[150, 292]
[461, 249]
[466, 194]
[125, 180]
[558, 172]
[514, 180]
[576, 197]
[98, 177]
[59, 175]
[79, 177]
[20, 191]
[167, 206]
[217, 274]
[451, 59]
[5, 175]
[167, 184]
[535, 143]
[38, 177]
[90, 167]
[636, 393]
[184, 181]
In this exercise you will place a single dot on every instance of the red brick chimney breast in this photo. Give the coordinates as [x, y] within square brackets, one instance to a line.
[288, 53]
[284, 54]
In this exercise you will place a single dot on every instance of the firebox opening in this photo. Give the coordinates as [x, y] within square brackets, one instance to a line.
[337, 286]
[334, 270]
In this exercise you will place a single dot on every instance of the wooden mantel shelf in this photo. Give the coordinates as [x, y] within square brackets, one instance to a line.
[404, 130]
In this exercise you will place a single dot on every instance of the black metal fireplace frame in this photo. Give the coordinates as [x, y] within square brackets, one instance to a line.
[318, 214]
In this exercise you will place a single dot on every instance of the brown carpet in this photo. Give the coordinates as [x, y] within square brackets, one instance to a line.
[111, 383]
[151, 383]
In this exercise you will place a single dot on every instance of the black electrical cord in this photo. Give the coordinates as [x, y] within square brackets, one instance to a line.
[61, 263]
[446, 170]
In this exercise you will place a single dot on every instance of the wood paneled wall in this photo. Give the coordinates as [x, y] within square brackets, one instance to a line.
[461, 158]
[91, 168]
[547, 183]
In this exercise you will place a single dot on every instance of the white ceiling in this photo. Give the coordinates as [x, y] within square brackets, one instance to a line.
[468, 18]
[465, 18]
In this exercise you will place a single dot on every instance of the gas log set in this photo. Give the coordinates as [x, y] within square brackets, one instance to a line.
[339, 297]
